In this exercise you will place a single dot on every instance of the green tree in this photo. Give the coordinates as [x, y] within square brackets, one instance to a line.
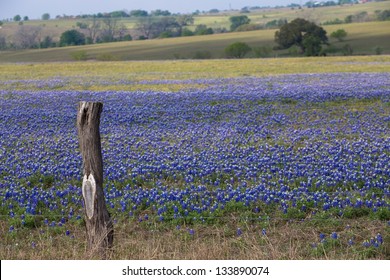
[47, 42]
[72, 38]
[301, 33]
[312, 45]
[187, 32]
[237, 50]
[138, 13]
[339, 34]
[236, 21]
[17, 18]
[46, 16]
[383, 15]
[158, 13]
[119, 14]
[202, 29]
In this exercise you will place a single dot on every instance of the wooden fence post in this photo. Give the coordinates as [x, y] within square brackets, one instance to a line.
[99, 227]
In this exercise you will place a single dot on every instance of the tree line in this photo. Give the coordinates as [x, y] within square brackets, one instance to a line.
[112, 29]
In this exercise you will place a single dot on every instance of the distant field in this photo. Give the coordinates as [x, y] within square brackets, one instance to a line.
[362, 37]
[262, 16]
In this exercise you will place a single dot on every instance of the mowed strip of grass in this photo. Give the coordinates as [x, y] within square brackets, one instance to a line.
[363, 38]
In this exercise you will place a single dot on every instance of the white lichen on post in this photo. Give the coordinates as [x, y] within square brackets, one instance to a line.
[89, 191]
[99, 227]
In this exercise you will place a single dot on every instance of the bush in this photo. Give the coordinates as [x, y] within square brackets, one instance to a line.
[106, 57]
[378, 50]
[263, 51]
[202, 55]
[202, 29]
[79, 55]
[72, 38]
[237, 50]
[187, 32]
[347, 50]
[249, 27]
[339, 34]
[383, 15]
[236, 21]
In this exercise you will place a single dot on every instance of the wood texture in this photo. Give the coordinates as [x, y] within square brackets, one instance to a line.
[99, 226]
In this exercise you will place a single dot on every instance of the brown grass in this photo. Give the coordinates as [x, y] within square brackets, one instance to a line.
[155, 241]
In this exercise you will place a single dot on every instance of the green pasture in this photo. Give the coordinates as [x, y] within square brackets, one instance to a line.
[363, 38]
[319, 15]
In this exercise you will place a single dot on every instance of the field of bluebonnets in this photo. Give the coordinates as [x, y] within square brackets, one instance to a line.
[282, 166]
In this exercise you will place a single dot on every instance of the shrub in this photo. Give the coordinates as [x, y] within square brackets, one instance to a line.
[263, 51]
[339, 34]
[347, 50]
[202, 55]
[237, 50]
[79, 55]
[249, 27]
[106, 57]
[72, 38]
[378, 50]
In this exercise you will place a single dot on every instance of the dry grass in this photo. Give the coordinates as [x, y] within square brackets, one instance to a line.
[158, 241]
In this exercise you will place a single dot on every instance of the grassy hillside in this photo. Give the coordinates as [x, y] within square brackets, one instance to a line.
[318, 15]
[362, 37]
[221, 20]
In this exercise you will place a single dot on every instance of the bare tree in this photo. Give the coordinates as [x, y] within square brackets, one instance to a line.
[93, 28]
[122, 31]
[27, 37]
[3, 42]
[109, 30]
[152, 27]
[184, 20]
[145, 26]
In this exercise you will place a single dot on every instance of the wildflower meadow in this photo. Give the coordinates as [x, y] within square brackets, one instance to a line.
[289, 166]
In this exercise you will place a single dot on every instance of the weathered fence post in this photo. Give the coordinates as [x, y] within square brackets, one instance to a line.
[99, 227]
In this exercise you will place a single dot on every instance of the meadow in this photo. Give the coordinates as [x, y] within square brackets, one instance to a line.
[226, 159]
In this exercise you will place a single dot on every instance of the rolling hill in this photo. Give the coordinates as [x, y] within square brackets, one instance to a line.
[364, 38]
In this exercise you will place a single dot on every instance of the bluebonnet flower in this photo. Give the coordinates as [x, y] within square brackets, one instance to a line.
[379, 238]
[334, 235]
[264, 231]
[239, 231]
[220, 140]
